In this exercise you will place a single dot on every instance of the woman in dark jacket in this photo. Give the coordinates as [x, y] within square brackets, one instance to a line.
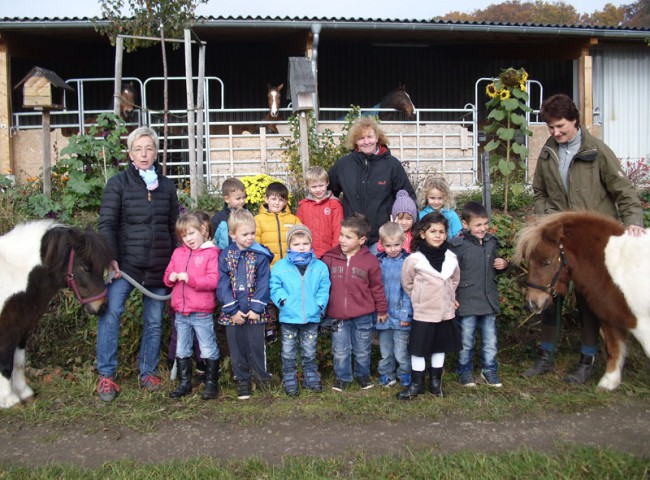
[369, 177]
[138, 217]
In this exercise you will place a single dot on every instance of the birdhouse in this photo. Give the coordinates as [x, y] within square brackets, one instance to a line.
[302, 83]
[43, 90]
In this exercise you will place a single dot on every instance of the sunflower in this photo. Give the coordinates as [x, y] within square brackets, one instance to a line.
[491, 90]
[504, 94]
[524, 75]
[522, 85]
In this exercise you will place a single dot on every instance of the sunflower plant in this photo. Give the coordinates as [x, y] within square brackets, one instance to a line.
[508, 126]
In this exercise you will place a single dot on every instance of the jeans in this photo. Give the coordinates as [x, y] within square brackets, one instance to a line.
[108, 329]
[394, 353]
[488, 326]
[203, 326]
[292, 334]
[352, 336]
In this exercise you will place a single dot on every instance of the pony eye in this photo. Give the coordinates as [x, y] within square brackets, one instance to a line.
[547, 263]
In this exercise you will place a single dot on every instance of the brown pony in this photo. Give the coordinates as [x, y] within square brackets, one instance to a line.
[608, 267]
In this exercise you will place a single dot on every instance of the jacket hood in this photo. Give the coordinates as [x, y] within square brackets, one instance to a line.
[257, 248]
[310, 198]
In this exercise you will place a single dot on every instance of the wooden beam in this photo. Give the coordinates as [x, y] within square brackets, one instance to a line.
[6, 151]
[585, 89]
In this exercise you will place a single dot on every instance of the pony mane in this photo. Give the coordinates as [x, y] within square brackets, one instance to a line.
[550, 228]
[88, 245]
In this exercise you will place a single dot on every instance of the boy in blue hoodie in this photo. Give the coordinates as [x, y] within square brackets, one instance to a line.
[243, 291]
[394, 332]
[300, 287]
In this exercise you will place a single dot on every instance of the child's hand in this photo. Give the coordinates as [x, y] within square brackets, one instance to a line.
[182, 277]
[253, 316]
[239, 318]
[500, 263]
[456, 304]
[382, 318]
[404, 324]
[173, 277]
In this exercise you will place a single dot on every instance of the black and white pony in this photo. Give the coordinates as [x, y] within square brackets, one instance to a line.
[37, 259]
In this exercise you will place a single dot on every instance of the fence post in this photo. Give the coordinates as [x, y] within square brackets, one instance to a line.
[487, 187]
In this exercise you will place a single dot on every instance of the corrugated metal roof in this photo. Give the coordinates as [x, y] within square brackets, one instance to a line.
[206, 20]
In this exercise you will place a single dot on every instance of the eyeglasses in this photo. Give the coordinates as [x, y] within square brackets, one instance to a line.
[140, 150]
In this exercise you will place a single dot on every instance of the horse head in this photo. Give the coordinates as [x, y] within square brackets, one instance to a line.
[540, 245]
[400, 100]
[80, 259]
[273, 98]
[128, 101]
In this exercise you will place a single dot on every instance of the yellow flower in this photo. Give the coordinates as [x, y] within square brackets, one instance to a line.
[504, 94]
[491, 90]
[524, 75]
[522, 86]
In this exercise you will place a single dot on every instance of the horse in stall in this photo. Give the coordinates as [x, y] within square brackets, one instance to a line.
[399, 100]
[608, 267]
[128, 98]
[38, 259]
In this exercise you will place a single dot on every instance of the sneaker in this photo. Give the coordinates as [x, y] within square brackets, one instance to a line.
[244, 389]
[365, 383]
[340, 385]
[385, 381]
[107, 389]
[491, 378]
[150, 383]
[466, 379]
[405, 379]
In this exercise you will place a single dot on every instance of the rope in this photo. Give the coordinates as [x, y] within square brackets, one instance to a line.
[129, 278]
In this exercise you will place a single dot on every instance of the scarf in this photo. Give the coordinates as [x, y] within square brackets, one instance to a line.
[299, 258]
[435, 256]
[150, 177]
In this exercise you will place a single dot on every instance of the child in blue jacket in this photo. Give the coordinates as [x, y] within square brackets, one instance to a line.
[394, 333]
[300, 287]
[243, 291]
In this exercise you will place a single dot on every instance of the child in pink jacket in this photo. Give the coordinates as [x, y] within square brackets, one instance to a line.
[193, 274]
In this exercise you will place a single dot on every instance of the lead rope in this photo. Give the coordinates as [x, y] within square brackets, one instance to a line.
[128, 278]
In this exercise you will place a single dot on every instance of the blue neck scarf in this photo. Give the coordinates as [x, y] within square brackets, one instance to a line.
[150, 177]
[300, 258]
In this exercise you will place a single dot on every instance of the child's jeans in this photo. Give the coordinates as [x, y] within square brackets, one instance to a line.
[488, 326]
[394, 353]
[247, 351]
[203, 326]
[352, 336]
[305, 336]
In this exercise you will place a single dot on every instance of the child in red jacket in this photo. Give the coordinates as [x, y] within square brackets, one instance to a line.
[193, 274]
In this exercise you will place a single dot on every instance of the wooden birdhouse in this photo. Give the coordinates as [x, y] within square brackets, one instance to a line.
[43, 90]
[302, 83]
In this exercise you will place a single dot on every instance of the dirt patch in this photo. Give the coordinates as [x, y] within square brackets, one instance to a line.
[620, 427]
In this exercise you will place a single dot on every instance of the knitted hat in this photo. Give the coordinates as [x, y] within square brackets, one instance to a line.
[301, 229]
[404, 204]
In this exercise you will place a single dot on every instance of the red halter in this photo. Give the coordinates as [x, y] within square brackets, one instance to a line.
[73, 285]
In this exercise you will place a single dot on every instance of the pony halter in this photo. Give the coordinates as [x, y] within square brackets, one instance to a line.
[73, 284]
[550, 288]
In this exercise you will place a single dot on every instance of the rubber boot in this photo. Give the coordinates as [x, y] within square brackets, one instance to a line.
[184, 366]
[583, 371]
[199, 373]
[211, 389]
[435, 381]
[416, 388]
[542, 365]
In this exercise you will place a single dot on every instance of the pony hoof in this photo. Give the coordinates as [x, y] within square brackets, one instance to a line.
[26, 394]
[608, 384]
[9, 401]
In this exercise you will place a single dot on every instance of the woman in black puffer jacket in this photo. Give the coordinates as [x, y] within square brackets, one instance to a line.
[138, 218]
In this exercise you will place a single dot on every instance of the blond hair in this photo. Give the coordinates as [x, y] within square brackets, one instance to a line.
[440, 184]
[240, 217]
[391, 230]
[195, 220]
[316, 174]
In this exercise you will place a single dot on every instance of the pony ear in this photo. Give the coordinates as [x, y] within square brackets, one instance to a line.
[553, 233]
[268, 86]
[280, 87]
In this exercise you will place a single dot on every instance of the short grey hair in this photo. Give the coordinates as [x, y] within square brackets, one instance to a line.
[143, 132]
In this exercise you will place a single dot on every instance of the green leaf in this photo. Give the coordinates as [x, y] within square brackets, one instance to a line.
[517, 119]
[510, 104]
[520, 94]
[506, 133]
[505, 167]
[497, 115]
[492, 145]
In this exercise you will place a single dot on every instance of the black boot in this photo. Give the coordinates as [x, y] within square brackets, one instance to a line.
[184, 366]
[416, 388]
[542, 365]
[435, 381]
[583, 372]
[211, 380]
[199, 373]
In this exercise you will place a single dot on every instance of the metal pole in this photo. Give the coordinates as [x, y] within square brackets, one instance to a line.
[191, 144]
[487, 186]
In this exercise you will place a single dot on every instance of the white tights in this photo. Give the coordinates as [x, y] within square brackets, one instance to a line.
[418, 364]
